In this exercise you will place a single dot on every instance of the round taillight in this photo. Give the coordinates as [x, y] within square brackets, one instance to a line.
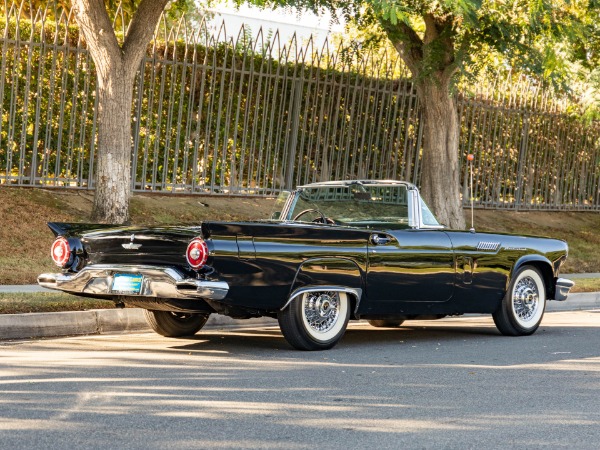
[60, 252]
[197, 253]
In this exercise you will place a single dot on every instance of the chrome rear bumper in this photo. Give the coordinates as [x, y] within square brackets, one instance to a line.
[563, 286]
[161, 282]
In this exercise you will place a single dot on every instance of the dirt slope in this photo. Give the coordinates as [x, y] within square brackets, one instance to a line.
[26, 239]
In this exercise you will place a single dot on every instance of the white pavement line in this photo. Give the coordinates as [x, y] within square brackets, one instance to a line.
[574, 276]
[23, 288]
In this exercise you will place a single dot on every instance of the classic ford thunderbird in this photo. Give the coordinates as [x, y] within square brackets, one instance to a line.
[329, 253]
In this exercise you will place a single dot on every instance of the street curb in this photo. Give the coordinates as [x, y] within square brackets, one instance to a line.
[98, 321]
[576, 302]
[114, 321]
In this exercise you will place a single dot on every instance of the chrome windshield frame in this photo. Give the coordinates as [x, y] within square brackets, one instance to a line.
[415, 215]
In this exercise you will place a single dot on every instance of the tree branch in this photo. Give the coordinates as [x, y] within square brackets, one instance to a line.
[99, 33]
[406, 41]
[439, 45]
[140, 32]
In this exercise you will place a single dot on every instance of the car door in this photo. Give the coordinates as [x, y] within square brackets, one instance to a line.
[409, 266]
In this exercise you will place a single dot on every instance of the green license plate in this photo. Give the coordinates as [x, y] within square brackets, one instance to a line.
[127, 283]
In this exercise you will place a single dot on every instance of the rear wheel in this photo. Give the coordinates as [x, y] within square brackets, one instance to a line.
[385, 323]
[175, 324]
[315, 320]
[522, 308]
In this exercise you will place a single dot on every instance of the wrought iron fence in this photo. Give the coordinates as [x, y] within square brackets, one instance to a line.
[250, 115]
[529, 154]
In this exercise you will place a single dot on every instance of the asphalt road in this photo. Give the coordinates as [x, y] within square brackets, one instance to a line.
[454, 383]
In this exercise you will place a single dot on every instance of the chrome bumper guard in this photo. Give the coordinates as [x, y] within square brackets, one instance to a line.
[563, 286]
[161, 282]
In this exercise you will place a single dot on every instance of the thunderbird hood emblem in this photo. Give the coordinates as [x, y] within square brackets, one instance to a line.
[131, 245]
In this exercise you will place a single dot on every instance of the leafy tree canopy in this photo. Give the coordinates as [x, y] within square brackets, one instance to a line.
[555, 40]
[440, 39]
[175, 8]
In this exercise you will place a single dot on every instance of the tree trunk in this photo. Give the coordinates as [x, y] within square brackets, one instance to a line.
[116, 67]
[113, 160]
[440, 179]
[431, 60]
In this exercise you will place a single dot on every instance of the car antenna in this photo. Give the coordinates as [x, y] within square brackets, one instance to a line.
[471, 157]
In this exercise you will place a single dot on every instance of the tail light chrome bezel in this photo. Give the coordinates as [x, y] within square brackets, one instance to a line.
[196, 253]
[60, 252]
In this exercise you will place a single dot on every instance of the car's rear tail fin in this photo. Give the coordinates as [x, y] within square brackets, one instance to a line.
[58, 228]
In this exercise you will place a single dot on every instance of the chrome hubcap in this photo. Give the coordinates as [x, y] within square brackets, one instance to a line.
[322, 310]
[526, 298]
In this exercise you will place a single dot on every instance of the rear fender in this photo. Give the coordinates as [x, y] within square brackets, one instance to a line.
[328, 274]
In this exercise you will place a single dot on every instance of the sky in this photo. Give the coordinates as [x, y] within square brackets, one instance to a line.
[287, 22]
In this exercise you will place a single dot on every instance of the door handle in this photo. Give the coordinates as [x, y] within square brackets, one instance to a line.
[378, 239]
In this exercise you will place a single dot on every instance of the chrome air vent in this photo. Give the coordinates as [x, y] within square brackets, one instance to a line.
[488, 246]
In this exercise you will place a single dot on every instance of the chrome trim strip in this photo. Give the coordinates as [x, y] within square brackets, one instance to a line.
[159, 281]
[414, 210]
[213, 290]
[356, 292]
[563, 286]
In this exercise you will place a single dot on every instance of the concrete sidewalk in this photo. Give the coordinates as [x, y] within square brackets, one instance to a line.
[108, 321]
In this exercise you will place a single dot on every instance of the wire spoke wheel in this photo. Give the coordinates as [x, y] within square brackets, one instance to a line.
[522, 308]
[526, 299]
[321, 310]
[315, 320]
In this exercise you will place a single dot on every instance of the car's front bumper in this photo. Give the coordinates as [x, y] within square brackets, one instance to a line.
[563, 286]
[157, 281]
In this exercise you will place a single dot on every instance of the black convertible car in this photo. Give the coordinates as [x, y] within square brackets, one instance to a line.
[330, 252]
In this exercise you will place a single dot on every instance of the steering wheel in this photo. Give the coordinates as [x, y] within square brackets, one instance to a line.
[323, 219]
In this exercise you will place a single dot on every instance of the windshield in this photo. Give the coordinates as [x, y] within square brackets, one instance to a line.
[428, 217]
[356, 204]
[280, 202]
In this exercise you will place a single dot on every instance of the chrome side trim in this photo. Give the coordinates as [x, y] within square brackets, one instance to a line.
[414, 209]
[563, 286]
[158, 281]
[303, 290]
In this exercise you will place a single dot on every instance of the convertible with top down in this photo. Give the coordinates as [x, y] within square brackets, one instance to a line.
[330, 252]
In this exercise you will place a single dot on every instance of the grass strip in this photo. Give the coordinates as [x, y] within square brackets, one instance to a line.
[38, 302]
[586, 285]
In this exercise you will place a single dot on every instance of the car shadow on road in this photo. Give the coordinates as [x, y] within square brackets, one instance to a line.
[356, 337]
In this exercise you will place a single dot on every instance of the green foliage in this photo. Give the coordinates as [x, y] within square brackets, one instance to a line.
[45, 102]
[554, 40]
[208, 115]
[220, 117]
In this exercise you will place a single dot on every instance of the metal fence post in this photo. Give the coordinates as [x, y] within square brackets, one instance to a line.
[294, 129]
[215, 115]
[519, 190]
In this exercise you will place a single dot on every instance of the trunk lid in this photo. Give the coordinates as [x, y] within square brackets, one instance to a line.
[107, 244]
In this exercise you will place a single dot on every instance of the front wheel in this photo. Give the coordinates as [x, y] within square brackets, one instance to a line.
[522, 308]
[175, 324]
[315, 320]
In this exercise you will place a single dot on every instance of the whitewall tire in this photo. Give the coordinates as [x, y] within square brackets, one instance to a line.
[315, 320]
[523, 306]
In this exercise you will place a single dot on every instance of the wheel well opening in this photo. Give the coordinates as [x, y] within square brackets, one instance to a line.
[547, 276]
[353, 302]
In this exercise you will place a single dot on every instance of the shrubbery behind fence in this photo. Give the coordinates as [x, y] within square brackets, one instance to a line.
[249, 115]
